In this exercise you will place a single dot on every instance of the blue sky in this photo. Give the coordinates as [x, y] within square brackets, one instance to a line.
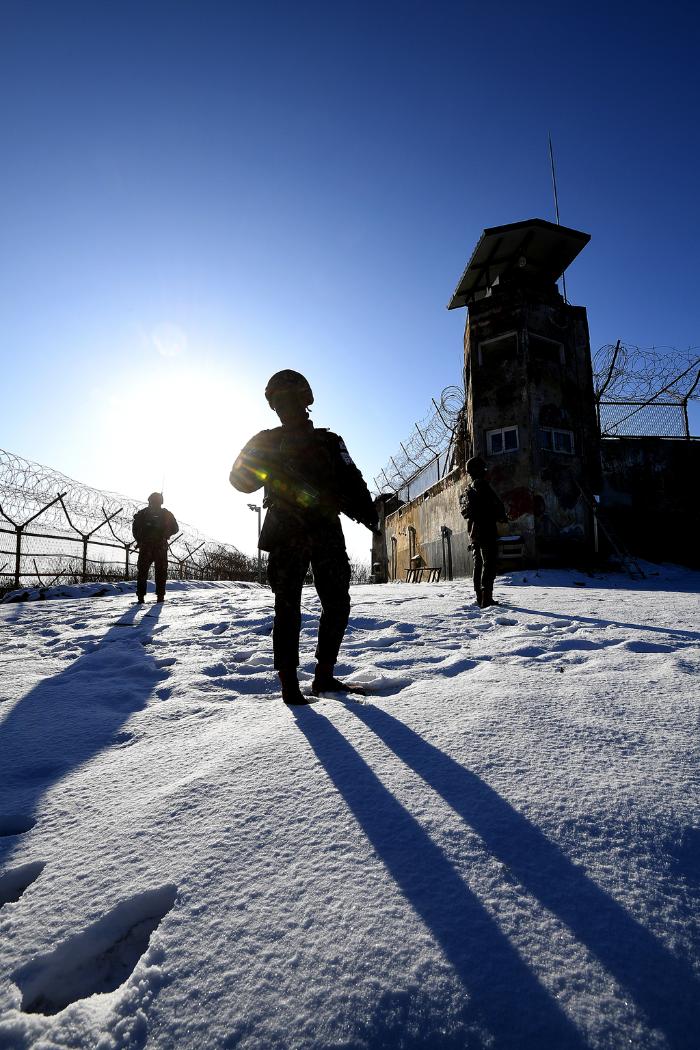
[197, 194]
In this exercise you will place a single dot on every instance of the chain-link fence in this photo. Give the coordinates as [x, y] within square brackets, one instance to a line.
[632, 419]
[644, 392]
[54, 528]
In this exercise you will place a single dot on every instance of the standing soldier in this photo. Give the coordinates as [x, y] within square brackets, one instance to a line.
[152, 528]
[309, 479]
[482, 508]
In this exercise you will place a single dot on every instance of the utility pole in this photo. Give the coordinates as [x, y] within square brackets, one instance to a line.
[255, 507]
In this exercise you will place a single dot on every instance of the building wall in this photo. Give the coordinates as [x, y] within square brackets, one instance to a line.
[435, 510]
[649, 494]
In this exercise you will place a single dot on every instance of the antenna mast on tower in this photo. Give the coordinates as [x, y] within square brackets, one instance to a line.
[556, 202]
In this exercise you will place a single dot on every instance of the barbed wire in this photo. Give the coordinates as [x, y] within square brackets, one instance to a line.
[625, 372]
[26, 489]
[622, 373]
[429, 439]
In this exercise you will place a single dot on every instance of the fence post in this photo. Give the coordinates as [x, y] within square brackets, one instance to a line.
[18, 552]
[85, 547]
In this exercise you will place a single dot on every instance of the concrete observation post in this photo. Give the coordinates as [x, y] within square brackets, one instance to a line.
[530, 408]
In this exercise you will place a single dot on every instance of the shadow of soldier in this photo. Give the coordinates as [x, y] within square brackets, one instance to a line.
[64, 721]
[663, 988]
[503, 991]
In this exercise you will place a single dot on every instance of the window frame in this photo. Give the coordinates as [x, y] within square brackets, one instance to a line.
[546, 339]
[553, 431]
[497, 339]
[502, 431]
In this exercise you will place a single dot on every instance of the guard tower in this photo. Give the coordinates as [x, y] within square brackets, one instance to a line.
[529, 386]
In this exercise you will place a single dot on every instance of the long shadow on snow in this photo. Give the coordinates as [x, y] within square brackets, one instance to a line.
[65, 720]
[600, 621]
[662, 987]
[515, 1007]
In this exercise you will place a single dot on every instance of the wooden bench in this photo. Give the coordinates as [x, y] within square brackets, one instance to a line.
[415, 575]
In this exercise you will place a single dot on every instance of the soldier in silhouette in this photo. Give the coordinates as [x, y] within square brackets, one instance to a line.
[309, 479]
[152, 528]
[482, 508]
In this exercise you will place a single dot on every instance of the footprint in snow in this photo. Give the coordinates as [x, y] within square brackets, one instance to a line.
[242, 656]
[369, 623]
[98, 960]
[528, 652]
[17, 880]
[506, 621]
[451, 669]
[399, 662]
[571, 644]
[218, 670]
[123, 739]
[649, 647]
[209, 626]
[252, 685]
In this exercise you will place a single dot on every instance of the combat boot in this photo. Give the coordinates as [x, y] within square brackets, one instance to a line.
[325, 682]
[488, 599]
[291, 693]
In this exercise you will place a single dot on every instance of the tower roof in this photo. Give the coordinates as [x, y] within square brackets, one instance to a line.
[534, 247]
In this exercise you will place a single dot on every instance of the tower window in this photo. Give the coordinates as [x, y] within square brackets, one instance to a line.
[503, 440]
[501, 348]
[548, 351]
[557, 440]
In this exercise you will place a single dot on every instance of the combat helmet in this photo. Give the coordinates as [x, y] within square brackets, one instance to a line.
[286, 382]
[476, 467]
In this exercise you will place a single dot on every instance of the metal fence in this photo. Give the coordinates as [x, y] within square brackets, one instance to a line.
[635, 419]
[644, 392]
[54, 528]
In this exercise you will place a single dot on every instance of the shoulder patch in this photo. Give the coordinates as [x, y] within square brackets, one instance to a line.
[344, 454]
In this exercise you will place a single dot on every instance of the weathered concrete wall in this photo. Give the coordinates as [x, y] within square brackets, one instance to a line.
[650, 495]
[534, 384]
[440, 531]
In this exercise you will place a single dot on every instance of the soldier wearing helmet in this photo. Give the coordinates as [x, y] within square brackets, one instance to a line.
[482, 508]
[152, 528]
[309, 479]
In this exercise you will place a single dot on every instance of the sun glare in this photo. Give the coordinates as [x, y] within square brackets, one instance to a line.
[178, 430]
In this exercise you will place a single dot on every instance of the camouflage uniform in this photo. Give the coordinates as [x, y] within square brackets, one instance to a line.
[152, 529]
[482, 508]
[309, 479]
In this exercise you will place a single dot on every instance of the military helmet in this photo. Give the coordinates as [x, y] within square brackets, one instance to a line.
[476, 466]
[286, 382]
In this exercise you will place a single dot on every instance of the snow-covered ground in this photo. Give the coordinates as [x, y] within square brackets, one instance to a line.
[499, 848]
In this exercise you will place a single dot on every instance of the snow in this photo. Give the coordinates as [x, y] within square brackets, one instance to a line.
[499, 847]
